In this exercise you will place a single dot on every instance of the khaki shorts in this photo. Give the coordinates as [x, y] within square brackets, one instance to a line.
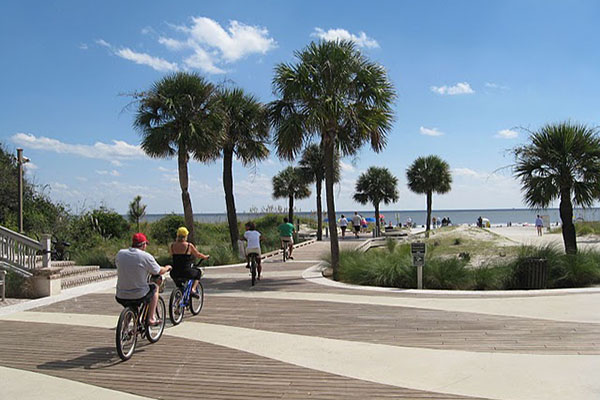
[253, 250]
[287, 239]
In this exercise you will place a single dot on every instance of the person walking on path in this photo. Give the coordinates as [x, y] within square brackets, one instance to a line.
[356, 223]
[539, 224]
[343, 225]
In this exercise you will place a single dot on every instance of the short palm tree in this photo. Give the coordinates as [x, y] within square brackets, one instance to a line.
[177, 117]
[561, 162]
[245, 131]
[137, 210]
[376, 186]
[427, 175]
[313, 169]
[290, 184]
[335, 93]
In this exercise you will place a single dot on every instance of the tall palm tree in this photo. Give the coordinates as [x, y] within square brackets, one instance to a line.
[245, 134]
[313, 169]
[561, 162]
[427, 175]
[335, 93]
[137, 210]
[177, 117]
[291, 184]
[375, 186]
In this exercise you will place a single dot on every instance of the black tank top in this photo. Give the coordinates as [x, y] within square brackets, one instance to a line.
[182, 261]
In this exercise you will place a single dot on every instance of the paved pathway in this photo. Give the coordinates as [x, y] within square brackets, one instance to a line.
[293, 337]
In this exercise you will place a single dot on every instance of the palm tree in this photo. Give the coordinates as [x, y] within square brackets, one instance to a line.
[313, 169]
[427, 175]
[177, 117]
[137, 210]
[375, 186]
[290, 184]
[337, 94]
[562, 162]
[245, 132]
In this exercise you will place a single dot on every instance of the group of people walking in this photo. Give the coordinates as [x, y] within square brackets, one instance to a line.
[359, 224]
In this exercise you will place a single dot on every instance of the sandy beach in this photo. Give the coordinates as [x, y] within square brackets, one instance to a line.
[527, 235]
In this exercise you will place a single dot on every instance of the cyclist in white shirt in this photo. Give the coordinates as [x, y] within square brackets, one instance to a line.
[253, 238]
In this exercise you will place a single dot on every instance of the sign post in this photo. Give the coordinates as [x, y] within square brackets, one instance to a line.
[417, 250]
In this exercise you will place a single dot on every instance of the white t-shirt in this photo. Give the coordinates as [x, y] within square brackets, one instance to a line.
[133, 267]
[253, 238]
[343, 222]
[356, 220]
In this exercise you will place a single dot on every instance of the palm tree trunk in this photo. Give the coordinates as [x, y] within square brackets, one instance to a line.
[229, 199]
[319, 212]
[188, 214]
[291, 210]
[377, 223]
[566, 216]
[429, 201]
[329, 180]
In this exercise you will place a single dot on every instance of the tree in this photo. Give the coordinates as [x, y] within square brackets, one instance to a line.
[375, 186]
[245, 128]
[290, 184]
[137, 210]
[313, 169]
[177, 117]
[561, 162]
[427, 175]
[337, 94]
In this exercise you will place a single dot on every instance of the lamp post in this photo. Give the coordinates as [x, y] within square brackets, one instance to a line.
[20, 161]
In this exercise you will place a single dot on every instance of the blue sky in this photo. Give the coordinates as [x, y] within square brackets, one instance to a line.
[471, 77]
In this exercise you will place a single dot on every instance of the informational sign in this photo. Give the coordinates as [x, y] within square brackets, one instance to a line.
[417, 250]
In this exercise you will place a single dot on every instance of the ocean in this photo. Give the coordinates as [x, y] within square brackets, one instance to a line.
[515, 216]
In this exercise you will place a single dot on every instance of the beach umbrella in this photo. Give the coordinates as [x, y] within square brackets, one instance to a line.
[370, 219]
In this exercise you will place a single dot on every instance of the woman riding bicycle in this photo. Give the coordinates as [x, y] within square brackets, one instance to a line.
[183, 254]
[253, 238]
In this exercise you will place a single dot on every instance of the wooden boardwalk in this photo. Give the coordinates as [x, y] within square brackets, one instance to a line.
[180, 368]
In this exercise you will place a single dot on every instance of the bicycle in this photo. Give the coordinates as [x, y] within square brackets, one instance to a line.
[133, 321]
[285, 250]
[59, 251]
[181, 298]
[253, 266]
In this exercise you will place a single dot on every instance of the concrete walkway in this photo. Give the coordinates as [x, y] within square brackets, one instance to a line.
[290, 337]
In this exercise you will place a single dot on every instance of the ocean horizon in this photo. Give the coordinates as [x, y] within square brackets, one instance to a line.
[497, 216]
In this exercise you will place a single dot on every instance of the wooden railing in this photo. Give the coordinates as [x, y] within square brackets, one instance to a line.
[20, 250]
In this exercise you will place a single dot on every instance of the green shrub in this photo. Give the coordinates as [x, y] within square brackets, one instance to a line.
[488, 277]
[576, 270]
[164, 230]
[445, 273]
[457, 241]
[95, 257]
[17, 286]
[108, 223]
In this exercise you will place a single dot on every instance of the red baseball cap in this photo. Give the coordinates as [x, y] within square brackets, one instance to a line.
[139, 238]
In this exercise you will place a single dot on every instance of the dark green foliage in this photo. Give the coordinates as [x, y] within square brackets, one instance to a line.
[18, 286]
[108, 223]
[457, 241]
[164, 230]
[445, 273]
[95, 257]
[489, 277]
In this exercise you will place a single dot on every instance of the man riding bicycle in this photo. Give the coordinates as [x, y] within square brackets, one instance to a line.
[253, 238]
[286, 232]
[133, 267]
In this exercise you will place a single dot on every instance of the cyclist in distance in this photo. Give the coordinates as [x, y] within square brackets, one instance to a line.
[253, 238]
[286, 232]
[183, 254]
[133, 267]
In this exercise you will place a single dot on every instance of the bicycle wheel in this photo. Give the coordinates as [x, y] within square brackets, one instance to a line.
[253, 270]
[126, 333]
[285, 252]
[175, 308]
[66, 256]
[153, 333]
[197, 303]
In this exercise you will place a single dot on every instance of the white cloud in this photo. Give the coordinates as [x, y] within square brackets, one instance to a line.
[102, 151]
[104, 43]
[83, 46]
[213, 45]
[345, 167]
[492, 85]
[30, 166]
[459, 88]
[155, 63]
[507, 134]
[116, 163]
[59, 186]
[112, 173]
[361, 40]
[430, 131]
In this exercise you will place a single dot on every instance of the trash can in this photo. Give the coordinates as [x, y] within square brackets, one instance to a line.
[532, 273]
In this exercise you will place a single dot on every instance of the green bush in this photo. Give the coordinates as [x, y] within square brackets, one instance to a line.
[164, 230]
[488, 277]
[17, 286]
[445, 273]
[95, 257]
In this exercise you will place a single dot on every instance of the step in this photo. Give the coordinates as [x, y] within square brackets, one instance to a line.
[88, 277]
[77, 270]
[38, 264]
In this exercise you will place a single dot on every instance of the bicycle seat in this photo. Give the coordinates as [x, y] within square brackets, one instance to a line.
[180, 282]
[135, 303]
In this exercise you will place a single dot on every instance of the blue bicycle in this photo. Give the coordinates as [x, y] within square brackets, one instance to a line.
[181, 298]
